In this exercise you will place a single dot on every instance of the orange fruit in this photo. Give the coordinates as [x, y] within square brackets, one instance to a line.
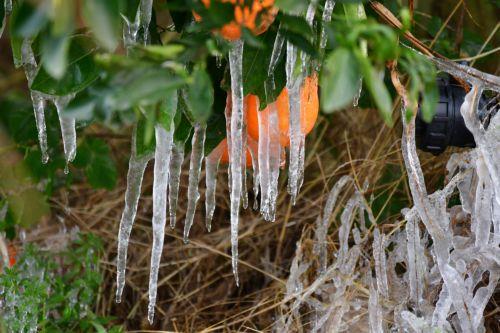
[309, 107]
[256, 18]
[225, 154]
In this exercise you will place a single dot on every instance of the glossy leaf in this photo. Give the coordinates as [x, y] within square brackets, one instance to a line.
[103, 18]
[200, 95]
[376, 87]
[27, 20]
[339, 80]
[100, 169]
[80, 73]
[55, 55]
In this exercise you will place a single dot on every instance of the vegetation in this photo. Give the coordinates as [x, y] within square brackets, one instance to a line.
[117, 75]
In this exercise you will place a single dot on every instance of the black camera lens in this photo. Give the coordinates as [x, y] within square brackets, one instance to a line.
[447, 127]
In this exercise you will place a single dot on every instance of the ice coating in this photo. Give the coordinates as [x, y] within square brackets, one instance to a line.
[236, 147]
[197, 154]
[174, 180]
[135, 174]
[163, 151]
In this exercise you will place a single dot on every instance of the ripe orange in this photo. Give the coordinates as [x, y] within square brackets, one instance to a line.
[309, 107]
[225, 155]
[256, 18]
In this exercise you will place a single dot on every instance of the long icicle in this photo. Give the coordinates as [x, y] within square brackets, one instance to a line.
[197, 152]
[163, 151]
[236, 145]
[136, 167]
[175, 175]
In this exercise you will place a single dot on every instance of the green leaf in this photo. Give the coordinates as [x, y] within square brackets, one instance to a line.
[339, 80]
[100, 169]
[144, 137]
[292, 6]
[103, 18]
[27, 20]
[80, 73]
[55, 55]
[141, 86]
[167, 109]
[376, 87]
[200, 95]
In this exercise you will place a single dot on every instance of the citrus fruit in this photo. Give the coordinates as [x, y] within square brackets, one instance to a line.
[256, 17]
[225, 153]
[309, 107]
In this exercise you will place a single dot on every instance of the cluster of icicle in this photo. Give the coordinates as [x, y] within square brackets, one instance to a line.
[68, 126]
[267, 157]
[451, 255]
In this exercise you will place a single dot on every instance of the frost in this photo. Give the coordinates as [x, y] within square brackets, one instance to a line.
[175, 175]
[236, 147]
[163, 151]
[197, 154]
[137, 165]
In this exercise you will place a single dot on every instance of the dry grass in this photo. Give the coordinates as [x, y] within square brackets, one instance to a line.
[196, 290]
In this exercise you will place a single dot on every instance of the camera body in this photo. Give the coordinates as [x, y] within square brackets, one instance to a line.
[447, 127]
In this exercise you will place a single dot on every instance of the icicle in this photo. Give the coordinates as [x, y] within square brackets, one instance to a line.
[68, 129]
[211, 168]
[137, 165]
[131, 29]
[30, 69]
[269, 160]
[175, 175]
[197, 154]
[146, 8]
[293, 85]
[327, 17]
[380, 262]
[163, 150]
[236, 145]
[355, 102]
[254, 151]
[275, 56]
[8, 6]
